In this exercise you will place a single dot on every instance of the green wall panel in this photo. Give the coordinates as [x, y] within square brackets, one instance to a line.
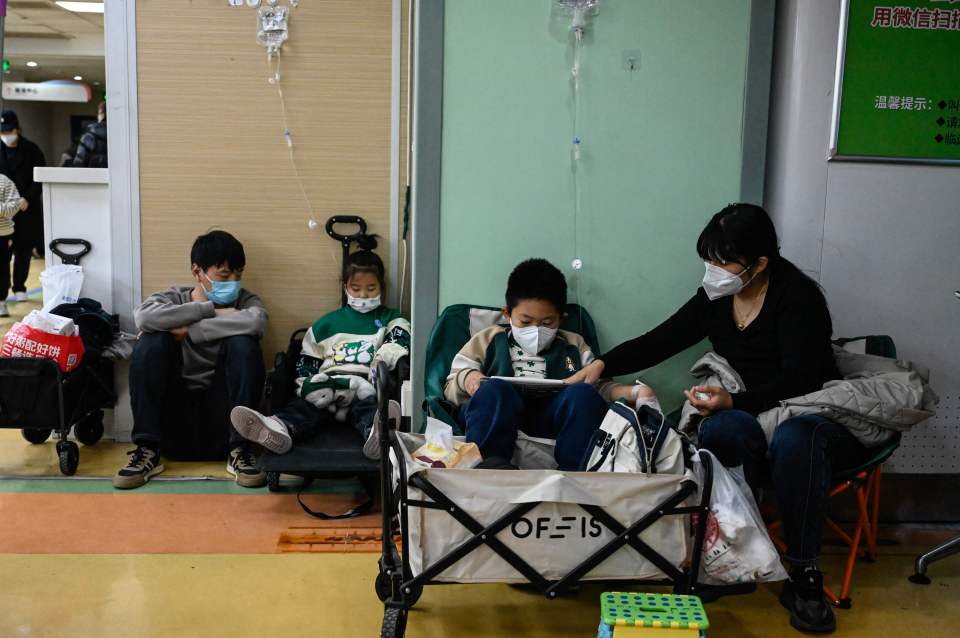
[661, 153]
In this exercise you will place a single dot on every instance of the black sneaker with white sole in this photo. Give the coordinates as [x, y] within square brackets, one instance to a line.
[242, 465]
[803, 596]
[371, 447]
[267, 431]
[144, 463]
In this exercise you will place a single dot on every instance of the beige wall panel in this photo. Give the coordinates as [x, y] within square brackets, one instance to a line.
[212, 152]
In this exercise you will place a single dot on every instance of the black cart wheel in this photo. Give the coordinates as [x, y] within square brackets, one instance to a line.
[385, 590]
[90, 430]
[394, 623]
[273, 481]
[382, 585]
[36, 436]
[69, 454]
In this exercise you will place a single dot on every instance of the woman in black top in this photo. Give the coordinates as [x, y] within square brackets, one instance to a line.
[771, 323]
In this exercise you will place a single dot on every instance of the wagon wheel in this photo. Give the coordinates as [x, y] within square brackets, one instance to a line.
[273, 481]
[90, 430]
[394, 623]
[69, 455]
[35, 436]
[383, 587]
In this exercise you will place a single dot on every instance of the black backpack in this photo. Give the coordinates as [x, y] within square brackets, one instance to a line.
[97, 327]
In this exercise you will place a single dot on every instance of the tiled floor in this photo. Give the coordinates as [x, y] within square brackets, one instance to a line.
[331, 595]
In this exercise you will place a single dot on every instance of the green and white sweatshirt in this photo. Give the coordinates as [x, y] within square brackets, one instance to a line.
[345, 343]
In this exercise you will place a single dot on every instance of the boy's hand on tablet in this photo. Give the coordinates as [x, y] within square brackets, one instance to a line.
[708, 399]
[472, 382]
[590, 374]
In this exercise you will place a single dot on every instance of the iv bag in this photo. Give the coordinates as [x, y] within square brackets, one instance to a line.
[579, 10]
[273, 26]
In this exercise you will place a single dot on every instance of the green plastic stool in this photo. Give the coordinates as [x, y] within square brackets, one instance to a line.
[654, 611]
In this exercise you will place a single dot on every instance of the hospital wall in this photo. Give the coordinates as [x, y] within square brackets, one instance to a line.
[882, 239]
[662, 150]
[212, 152]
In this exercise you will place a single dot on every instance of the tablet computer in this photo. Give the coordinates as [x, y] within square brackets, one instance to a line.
[534, 384]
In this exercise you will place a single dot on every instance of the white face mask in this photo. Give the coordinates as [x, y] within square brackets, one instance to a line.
[361, 304]
[10, 138]
[533, 339]
[718, 282]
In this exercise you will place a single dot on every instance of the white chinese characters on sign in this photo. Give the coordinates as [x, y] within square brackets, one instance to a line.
[901, 103]
[920, 19]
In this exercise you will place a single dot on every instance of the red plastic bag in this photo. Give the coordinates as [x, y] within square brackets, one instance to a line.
[25, 341]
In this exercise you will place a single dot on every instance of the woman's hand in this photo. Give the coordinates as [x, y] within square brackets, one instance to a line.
[24, 204]
[711, 399]
[590, 374]
[472, 381]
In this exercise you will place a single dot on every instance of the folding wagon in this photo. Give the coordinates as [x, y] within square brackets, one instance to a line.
[551, 529]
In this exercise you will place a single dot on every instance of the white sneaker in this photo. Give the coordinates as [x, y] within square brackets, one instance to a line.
[371, 448]
[268, 431]
[16, 297]
[4, 312]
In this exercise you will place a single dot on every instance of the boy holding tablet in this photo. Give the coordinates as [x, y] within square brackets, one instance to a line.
[532, 346]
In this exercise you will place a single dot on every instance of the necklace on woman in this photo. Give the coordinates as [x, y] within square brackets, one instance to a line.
[754, 308]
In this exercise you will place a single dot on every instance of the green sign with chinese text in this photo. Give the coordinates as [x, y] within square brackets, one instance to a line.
[900, 89]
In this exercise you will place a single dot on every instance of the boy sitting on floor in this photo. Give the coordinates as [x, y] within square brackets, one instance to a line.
[339, 351]
[492, 410]
[198, 355]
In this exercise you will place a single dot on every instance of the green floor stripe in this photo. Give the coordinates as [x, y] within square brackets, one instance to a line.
[104, 486]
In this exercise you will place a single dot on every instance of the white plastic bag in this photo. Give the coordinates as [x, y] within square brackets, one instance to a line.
[61, 284]
[736, 547]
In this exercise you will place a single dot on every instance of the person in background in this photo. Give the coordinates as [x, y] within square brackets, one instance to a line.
[18, 157]
[92, 150]
[9, 206]
[198, 355]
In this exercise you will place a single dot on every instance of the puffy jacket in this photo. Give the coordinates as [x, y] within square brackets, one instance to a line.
[876, 398]
[92, 149]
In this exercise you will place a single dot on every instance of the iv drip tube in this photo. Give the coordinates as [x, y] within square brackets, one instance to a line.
[273, 62]
[577, 263]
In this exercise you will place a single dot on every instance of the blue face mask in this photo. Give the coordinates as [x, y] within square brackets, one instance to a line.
[222, 293]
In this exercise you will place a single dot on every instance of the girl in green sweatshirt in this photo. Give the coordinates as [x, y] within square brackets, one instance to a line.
[339, 352]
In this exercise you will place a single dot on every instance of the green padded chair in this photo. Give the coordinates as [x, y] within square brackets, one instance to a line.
[454, 328]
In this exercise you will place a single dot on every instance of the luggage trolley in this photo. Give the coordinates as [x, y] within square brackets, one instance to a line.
[37, 397]
[494, 525]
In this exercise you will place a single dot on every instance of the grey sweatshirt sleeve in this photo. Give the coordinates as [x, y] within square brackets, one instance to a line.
[250, 318]
[164, 311]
